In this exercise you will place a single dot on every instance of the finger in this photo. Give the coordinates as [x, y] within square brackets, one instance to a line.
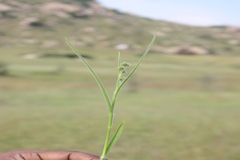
[47, 155]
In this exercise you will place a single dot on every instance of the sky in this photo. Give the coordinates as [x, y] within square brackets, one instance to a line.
[191, 12]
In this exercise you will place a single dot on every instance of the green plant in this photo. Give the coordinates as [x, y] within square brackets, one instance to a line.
[111, 104]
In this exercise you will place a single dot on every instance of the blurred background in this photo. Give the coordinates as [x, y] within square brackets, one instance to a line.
[183, 102]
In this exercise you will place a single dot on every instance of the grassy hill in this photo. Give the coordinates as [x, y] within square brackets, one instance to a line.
[42, 26]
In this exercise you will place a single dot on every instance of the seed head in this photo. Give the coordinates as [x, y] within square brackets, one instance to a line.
[121, 68]
[125, 64]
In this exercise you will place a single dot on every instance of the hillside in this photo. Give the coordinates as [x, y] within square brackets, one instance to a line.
[41, 25]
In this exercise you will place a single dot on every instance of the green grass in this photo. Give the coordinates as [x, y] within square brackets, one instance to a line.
[180, 107]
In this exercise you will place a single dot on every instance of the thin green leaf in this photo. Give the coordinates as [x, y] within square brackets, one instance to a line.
[94, 75]
[135, 68]
[119, 60]
[119, 64]
[144, 55]
[115, 137]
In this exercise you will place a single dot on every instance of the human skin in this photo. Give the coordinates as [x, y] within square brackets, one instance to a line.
[47, 155]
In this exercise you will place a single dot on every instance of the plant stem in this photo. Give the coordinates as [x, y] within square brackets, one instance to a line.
[111, 114]
[116, 91]
[108, 135]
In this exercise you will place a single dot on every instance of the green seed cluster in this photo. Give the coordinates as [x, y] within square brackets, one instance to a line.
[123, 66]
[122, 69]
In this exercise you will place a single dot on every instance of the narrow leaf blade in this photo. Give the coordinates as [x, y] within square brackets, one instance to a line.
[119, 60]
[115, 137]
[135, 68]
[93, 73]
[144, 55]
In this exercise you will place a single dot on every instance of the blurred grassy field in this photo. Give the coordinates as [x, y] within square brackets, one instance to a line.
[175, 107]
